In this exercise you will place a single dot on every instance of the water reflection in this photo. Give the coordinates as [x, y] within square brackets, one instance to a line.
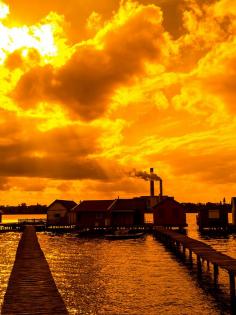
[97, 276]
[8, 245]
[123, 277]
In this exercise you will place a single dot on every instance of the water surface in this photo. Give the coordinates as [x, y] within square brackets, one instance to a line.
[97, 276]
[8, 245]
[13, 218]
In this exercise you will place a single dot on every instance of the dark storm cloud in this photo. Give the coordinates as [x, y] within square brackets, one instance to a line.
[51, 167]
[61, 153]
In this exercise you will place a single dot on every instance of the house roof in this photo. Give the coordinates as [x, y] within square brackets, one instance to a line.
[93, 206]
[68, 204]
[128, 204]
[166, 199]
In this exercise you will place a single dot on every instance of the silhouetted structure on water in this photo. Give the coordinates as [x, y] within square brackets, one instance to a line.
[214, 216]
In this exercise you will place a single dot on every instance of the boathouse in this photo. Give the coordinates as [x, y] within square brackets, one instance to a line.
[127, 212]
[169, 213]
[91, 213]
[213, 216]
[57, 212]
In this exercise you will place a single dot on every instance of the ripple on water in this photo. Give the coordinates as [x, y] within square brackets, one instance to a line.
[8, 245]
[124, 277]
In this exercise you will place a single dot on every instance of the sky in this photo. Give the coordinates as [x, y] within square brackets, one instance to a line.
[92, 90]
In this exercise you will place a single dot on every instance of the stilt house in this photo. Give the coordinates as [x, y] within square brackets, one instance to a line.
[127, 212]
[213, 216]
[91, 213]
[169, 213]
[57, 212]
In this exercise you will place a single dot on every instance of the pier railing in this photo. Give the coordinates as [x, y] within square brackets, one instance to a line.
[32, 221]
[204, 253]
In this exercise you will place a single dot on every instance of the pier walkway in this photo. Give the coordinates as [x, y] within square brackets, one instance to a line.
[203, 252]
[31, 288]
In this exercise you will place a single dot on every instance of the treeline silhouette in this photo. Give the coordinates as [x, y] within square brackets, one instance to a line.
[23, 208]
[189, 207]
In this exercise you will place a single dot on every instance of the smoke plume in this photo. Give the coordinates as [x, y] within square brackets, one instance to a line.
[144, 175]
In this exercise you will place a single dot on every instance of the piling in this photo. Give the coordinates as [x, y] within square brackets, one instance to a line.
[31, 287]
[203, 253]
[216, 273]
[232, 290]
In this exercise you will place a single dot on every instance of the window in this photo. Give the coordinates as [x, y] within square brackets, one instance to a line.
[214, 214]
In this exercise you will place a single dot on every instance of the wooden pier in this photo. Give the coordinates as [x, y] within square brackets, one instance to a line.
[31, 288]
[39, 224]
[204, 253]
[10, 227]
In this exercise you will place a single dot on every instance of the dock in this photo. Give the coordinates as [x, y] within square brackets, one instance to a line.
[31, 287]
[204, 253]
[39, 224]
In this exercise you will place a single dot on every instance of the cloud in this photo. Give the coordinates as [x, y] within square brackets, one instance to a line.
[16, 59]
[56, 153]
[4, 184]
[123, 187]
[217, 74]
[49, 167]
[204, 167]
[136, 97]
[86, 83]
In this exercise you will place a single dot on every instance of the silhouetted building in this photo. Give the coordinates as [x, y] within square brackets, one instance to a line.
[233, 204]
[57, 212]
[169, 213]
[213, 216]
[127, 212]
[105, 213]
[91, 213]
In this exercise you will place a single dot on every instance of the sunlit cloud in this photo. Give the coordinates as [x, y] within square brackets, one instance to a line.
[4, 10]
[87, 97]
[87, 81]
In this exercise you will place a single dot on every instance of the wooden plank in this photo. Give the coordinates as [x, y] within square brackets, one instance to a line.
[31, 288]
[201, 249]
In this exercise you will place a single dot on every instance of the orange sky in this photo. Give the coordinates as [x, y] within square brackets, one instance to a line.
[91, 90]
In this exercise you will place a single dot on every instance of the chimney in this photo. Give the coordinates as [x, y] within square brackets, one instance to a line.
[161, 189]
[233, 203]
[152, 193]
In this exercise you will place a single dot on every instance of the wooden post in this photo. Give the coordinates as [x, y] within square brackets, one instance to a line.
[177, 246]
[199, 265]
[208, 265]
[232, 290]
[216, 273]
[190, 257]
[184, 251]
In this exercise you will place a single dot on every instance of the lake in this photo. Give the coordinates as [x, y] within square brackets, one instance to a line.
[97, 276]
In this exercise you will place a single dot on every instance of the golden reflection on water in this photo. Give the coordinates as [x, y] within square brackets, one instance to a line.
[97, 276]
[8, 245]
